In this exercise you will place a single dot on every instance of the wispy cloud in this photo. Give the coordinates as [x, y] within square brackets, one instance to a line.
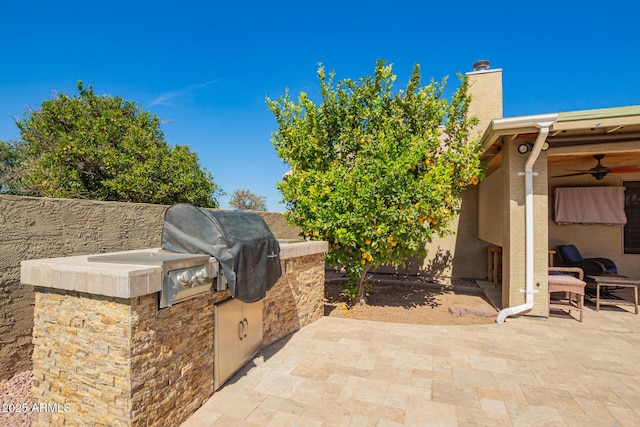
[165, 98]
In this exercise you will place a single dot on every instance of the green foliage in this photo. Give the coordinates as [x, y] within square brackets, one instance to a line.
[246, 200]
[104, 148]
[10, 160]
[374, 172]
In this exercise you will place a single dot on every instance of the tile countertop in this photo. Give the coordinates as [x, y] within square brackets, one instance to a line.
[76, 273]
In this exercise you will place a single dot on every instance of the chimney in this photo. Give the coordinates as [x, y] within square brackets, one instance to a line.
[485, 88]
[481, 65]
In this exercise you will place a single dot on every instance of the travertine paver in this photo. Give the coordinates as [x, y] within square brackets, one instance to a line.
[525, 372]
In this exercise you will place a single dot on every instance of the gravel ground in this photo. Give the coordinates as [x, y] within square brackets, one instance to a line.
[412, 299]
[15, 398]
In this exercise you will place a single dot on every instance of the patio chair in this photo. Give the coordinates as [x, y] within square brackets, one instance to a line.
[569, 281]
[570, 257]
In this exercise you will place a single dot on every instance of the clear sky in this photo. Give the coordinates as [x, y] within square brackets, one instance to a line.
[206, 67]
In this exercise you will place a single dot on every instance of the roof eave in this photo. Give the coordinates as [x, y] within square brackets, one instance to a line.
[514, 126]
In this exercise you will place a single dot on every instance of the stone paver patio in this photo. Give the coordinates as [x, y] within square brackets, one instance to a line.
[525, 372]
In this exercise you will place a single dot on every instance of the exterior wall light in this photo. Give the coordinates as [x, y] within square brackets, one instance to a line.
[527, 146]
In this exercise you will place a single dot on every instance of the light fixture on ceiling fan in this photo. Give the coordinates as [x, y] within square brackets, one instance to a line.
[599, 171]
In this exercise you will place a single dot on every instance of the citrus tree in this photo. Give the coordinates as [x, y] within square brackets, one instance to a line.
[375, 172]
[103, 148]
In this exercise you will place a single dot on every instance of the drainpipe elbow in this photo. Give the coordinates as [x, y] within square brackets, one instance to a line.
[512, 311]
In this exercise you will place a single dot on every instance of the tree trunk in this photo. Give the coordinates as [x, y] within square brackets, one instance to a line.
[361, 297]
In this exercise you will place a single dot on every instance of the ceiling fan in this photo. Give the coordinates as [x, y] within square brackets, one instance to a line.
[599, 171]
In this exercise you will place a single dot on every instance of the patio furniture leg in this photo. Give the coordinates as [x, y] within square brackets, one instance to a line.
[493, 264]
[616, 282]
[581, 305]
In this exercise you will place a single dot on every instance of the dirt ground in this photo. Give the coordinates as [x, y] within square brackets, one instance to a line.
[412, 300]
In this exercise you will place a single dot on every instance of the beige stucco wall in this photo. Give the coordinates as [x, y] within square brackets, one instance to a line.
[490, 209]
[514, 254]
[485, 88]
[604, 241]
[32, 228]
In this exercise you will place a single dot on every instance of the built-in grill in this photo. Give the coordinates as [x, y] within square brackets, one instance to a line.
[247, 251]
[184, 276]
[248, 255]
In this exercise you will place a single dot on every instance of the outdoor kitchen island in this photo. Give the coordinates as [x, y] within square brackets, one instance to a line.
[105, 353]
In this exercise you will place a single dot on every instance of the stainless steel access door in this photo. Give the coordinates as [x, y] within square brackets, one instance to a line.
[237, 336]
[253, 328]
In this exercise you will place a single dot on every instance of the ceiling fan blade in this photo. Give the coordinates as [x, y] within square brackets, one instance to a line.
[624, 169]
[581, 170]
[600, 171]
[572, 174]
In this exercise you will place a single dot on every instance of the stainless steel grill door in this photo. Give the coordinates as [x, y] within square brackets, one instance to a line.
[237, 336]
[253, 325]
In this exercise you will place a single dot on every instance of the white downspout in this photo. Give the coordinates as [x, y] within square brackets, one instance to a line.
[528, 221]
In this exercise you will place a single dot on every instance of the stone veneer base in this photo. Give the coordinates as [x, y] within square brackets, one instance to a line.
[296, 300]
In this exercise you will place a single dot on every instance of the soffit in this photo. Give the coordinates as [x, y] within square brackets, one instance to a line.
[575, 137]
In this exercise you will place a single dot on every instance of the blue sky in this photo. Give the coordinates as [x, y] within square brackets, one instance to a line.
[206, 67]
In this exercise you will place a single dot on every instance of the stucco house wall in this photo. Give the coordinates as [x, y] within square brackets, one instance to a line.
[514, 250]
[491, 210]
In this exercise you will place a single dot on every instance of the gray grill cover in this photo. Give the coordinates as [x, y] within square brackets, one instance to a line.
[243, 244]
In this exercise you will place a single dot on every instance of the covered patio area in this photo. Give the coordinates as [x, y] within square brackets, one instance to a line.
[529, 158]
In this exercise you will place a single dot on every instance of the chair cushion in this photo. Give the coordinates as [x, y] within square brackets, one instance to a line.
[569, 253]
